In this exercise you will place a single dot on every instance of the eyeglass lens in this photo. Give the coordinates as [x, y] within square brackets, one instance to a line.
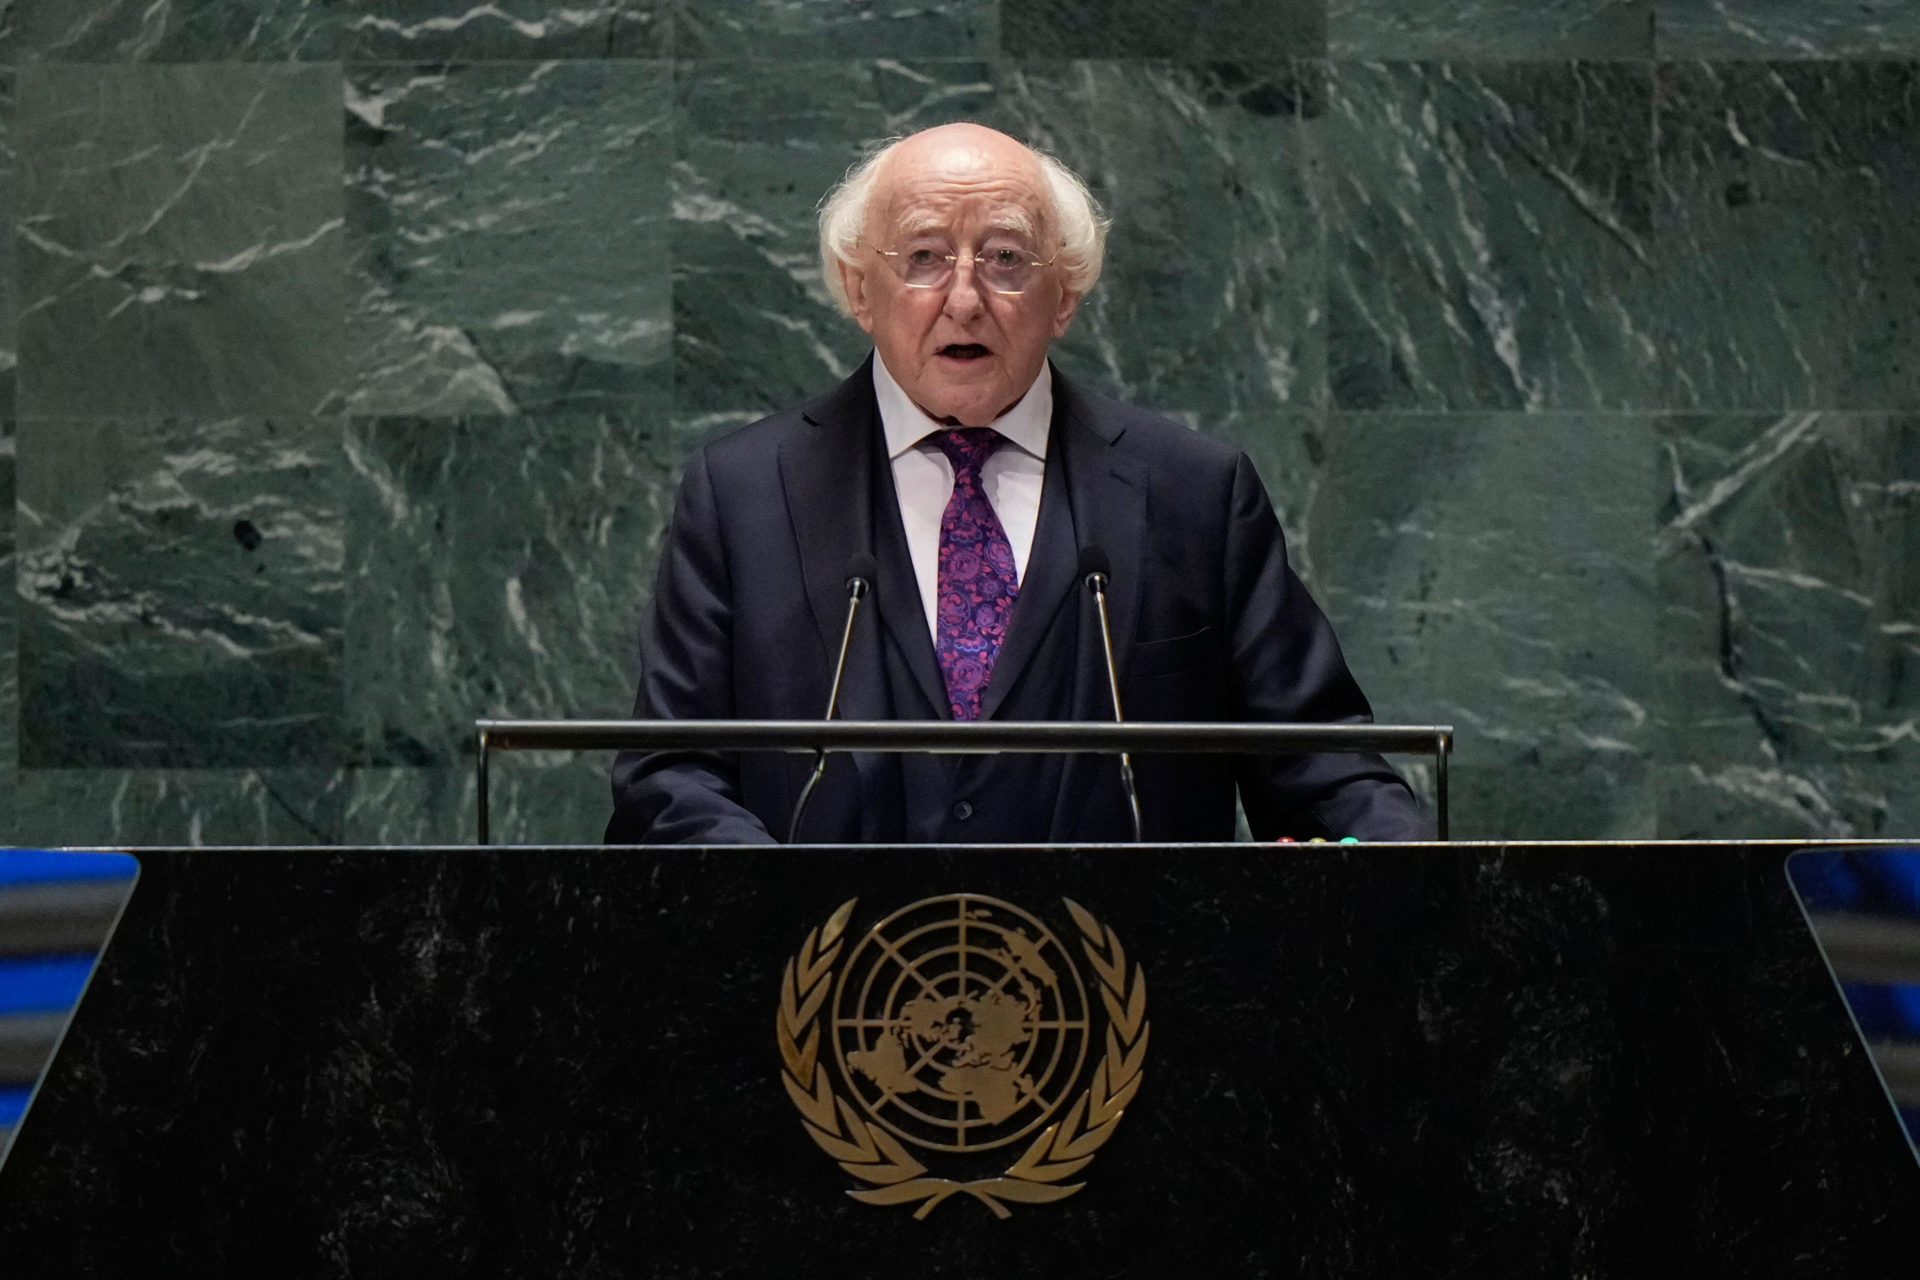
[1002, 268]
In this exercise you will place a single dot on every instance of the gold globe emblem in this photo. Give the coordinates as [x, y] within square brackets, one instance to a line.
[960, 1023]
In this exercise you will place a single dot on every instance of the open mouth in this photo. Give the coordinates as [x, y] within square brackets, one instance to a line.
[963, 351]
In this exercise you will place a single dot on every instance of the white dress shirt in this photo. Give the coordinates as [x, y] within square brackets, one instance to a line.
[923, 478]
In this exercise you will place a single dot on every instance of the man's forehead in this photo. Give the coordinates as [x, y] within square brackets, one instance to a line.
[934, 215]
[1007, 206]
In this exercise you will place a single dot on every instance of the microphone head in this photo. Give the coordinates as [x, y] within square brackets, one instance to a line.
[1093, 561]
[861, 570]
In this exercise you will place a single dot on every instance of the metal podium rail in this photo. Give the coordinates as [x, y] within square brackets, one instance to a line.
[943, 737]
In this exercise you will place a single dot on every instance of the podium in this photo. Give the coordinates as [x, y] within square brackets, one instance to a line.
[1408, 1060]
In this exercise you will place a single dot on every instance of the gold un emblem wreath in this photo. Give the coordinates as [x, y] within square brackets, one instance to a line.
[958, 1027]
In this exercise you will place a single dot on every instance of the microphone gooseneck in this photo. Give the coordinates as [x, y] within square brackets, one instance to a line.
[861, 571]
[1096, 572]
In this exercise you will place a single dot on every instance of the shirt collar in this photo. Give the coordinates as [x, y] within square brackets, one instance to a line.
[905, 425]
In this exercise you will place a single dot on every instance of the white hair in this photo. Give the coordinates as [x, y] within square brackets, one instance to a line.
[1074, 212]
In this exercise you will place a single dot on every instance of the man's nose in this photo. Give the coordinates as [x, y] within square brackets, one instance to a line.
[963, 291]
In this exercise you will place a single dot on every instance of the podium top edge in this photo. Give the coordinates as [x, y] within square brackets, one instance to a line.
[941, 736]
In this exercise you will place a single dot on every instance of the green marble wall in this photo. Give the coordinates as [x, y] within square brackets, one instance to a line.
[349, 349]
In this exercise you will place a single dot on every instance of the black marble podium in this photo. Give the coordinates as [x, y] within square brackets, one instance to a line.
[1395, 1061]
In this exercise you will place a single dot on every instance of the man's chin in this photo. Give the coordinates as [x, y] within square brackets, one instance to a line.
[971, 401]
[971, 412]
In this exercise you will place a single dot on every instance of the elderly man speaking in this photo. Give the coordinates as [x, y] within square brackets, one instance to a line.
[971, 474]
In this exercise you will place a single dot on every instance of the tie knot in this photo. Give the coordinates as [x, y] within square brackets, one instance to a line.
[967, 447]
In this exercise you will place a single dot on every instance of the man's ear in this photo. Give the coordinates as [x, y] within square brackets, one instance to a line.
[855, 283]
[1064, 313]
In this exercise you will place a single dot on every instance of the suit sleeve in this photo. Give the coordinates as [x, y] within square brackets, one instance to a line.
[686, 660]
[1288, 667]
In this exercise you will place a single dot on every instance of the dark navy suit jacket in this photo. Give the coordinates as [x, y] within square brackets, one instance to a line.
[1209, 623]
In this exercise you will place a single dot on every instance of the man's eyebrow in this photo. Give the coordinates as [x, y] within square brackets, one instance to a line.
[1016, 222]
[919, 224]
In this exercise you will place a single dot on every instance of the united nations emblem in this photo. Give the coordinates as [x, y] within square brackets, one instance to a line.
[957, 1026]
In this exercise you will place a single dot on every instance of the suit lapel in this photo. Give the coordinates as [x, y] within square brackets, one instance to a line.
[1123, 482]
[1092, 496]
[1108, 492]
[825, 474]
[840, 500]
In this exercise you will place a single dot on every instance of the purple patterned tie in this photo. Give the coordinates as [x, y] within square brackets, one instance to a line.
[977, 586]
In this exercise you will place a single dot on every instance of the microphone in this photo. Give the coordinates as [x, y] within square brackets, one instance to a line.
[861, 571]
[1096, 572]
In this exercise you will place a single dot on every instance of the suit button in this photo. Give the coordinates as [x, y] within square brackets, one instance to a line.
[963, 810]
